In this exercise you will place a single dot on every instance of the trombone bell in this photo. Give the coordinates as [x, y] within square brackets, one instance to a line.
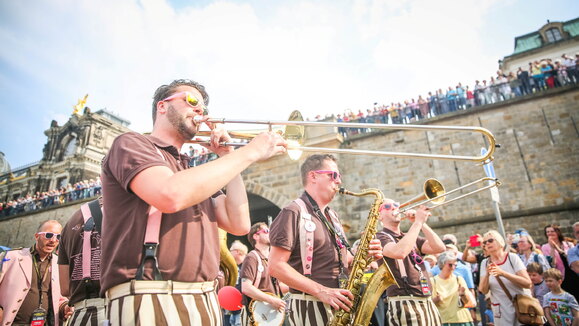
[432, 191]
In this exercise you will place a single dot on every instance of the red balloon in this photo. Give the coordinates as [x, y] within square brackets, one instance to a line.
[229, 298]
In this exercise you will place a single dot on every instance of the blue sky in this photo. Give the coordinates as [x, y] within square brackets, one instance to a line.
[258, 59]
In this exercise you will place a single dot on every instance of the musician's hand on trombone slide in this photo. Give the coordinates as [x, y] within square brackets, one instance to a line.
[266, 145]
[421, 215]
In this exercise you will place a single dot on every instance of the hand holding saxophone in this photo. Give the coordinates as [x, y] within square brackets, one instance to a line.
[336, 298]
[375, 249]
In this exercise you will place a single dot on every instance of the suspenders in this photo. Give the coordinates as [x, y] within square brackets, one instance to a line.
[259, 269]
[307, 228]
[92, 216]
[151, 242]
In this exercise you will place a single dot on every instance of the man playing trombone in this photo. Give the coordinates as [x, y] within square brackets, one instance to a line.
[410, 302]
[160, 244]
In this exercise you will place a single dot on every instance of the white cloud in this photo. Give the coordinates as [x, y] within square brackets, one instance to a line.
[319, 57]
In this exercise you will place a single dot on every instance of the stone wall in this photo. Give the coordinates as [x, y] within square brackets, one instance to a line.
[18, 231]
[536, 163]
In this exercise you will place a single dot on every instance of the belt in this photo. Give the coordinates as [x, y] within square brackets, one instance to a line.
[408, 297]
[159, 287]
[303, 296]
[95, 302]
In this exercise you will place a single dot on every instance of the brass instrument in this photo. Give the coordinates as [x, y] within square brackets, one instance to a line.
[434, 192]
[359, 265]
[226, 260]
[294, 133]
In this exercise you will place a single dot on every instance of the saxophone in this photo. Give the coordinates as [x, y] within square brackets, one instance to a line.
[227, 262]
[364, 304]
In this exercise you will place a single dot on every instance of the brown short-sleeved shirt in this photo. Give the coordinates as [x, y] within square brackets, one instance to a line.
[248, 271]
[413, 285]
[284, 233]
[70, 253]
[30, 303]
[188, 242]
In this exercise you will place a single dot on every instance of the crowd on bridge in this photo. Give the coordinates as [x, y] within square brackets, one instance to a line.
[40, 200]
[539, 76]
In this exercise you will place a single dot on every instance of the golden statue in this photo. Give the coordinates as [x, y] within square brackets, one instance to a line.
[80, 105]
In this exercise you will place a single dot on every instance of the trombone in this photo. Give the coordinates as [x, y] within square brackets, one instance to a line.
[294, 134]
[434, 192]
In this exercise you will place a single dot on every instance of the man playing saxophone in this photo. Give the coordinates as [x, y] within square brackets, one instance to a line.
[409, 303]
[309, 251]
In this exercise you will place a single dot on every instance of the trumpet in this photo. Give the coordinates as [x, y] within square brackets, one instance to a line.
[294, 134]
[433, 191]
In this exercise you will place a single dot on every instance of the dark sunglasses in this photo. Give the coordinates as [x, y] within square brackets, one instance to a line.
[266, 231]
[49, 235]
[491, 240]
[389, 206]
[333, 174]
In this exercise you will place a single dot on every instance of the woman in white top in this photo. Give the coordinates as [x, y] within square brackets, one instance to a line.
[529, 254]
[513, 274]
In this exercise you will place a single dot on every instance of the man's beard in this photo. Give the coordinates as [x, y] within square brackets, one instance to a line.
[180, 124]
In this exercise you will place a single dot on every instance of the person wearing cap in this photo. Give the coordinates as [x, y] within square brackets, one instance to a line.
[239, 252]
[29, 282]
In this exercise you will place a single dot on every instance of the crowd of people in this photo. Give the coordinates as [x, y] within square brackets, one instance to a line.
[39, 200]
[149, 250]
[540, 75]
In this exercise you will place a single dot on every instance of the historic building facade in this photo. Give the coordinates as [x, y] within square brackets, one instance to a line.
[550, 42]
[72, 153]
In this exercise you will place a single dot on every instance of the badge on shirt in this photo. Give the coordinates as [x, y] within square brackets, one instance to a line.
[310, 226]
[260, 269]
[424, 285]
[38, 317]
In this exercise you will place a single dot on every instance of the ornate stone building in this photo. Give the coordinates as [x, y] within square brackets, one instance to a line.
[73, 152]
[550, 42]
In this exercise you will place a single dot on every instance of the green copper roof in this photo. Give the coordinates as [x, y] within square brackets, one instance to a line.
[572, 27]
[528, 42]
[534, 40]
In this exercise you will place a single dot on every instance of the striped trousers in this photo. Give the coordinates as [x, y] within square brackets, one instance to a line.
[163, 303]
[307, 310]
[412, 311]
[90, 312]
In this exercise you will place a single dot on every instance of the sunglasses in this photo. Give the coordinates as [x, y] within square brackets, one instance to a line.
[50, 235]
[491, 240]
[333, 174]
[389, 206]
[266, 231]
[416, 257]
[191, 99]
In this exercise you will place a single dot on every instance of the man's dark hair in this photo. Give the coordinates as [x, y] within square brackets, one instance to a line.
[313, 163]
[254, 228]
[165, 91]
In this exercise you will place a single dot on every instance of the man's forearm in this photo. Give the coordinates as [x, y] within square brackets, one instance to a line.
[251, 291]
[237, 206]
[433, 239]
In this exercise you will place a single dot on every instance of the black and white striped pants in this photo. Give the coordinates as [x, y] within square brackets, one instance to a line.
[412, 311]
[91, 312]
[164, 303]
[307, 310]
